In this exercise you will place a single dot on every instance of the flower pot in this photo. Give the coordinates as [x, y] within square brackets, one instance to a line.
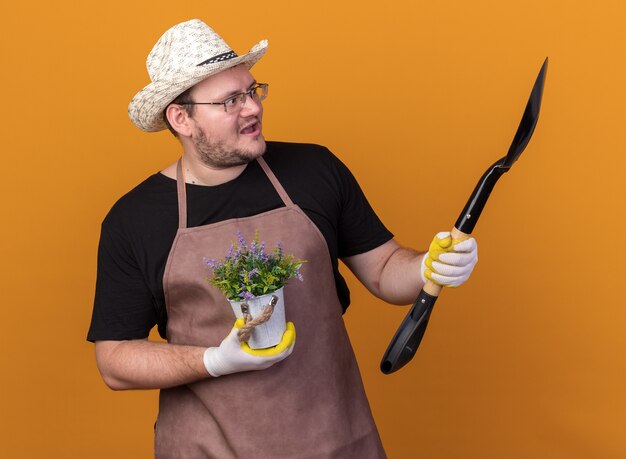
[269, 333]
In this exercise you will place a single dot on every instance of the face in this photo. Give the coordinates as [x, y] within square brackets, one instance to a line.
[224, 139]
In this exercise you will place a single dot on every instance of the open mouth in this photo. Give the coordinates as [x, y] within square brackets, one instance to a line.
[252, 129]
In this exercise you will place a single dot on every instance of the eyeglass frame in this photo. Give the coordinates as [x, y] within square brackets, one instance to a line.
[241, 96]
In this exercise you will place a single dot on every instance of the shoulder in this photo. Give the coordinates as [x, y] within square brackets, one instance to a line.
[302, 150]
[302, 159]
[141, 204]
[313, 176]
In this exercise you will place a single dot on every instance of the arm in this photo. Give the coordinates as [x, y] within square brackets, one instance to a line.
[123, 303]
[142, 364]
[390, 272]
[397, 274]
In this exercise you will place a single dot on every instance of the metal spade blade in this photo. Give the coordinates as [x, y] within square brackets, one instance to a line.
[529, 119]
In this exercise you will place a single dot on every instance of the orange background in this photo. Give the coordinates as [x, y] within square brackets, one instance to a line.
[418, 98]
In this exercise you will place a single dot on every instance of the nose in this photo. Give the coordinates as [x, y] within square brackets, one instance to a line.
[251, 107]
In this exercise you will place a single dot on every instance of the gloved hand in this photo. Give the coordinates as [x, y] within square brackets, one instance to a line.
[233, 357]
[449, 262]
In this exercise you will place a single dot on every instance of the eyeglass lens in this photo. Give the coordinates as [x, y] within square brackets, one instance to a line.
[257, 93]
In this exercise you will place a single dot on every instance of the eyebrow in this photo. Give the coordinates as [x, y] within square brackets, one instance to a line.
[232, 93]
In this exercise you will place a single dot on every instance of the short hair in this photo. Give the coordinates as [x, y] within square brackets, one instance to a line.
[182, 99]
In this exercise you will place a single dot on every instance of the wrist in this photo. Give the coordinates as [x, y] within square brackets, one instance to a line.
[211, 362]
[423, 267]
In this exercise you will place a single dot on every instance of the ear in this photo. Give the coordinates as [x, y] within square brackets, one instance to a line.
[179, 119]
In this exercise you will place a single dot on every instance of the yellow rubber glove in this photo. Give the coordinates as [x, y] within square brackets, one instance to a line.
[289, 338]
[448, 262]
[233, 357]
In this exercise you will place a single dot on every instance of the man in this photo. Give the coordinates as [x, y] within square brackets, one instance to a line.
[305, 400]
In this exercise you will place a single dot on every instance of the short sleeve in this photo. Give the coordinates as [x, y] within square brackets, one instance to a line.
[123, 306]
[360, 230]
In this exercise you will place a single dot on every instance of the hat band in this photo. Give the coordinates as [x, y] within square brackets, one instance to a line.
[219, 58]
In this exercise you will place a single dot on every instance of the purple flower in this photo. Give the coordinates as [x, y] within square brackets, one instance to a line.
[246, 295]
[248, 271]
[242, 241]
[211, 262]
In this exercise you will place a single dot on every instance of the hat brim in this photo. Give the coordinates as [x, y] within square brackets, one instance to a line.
[146, 108]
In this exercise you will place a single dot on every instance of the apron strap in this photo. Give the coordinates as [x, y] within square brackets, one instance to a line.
[182, 192]
[279, 188]
[182, 195]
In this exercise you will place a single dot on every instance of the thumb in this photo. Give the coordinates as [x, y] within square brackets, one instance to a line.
[444, 239]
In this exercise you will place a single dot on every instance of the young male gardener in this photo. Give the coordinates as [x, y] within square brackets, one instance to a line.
[306, 400]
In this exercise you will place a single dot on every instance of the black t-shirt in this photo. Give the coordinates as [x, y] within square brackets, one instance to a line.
[138, 231]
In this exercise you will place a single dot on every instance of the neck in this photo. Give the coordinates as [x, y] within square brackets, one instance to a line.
[201, 174]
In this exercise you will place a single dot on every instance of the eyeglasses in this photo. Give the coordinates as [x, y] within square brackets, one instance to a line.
[235, 103]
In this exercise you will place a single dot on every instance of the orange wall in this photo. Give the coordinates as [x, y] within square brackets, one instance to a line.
[418, 98]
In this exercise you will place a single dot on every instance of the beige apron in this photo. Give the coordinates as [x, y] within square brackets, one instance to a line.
[310, 405]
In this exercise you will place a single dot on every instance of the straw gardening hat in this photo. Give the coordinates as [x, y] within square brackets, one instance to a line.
[184, 55]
